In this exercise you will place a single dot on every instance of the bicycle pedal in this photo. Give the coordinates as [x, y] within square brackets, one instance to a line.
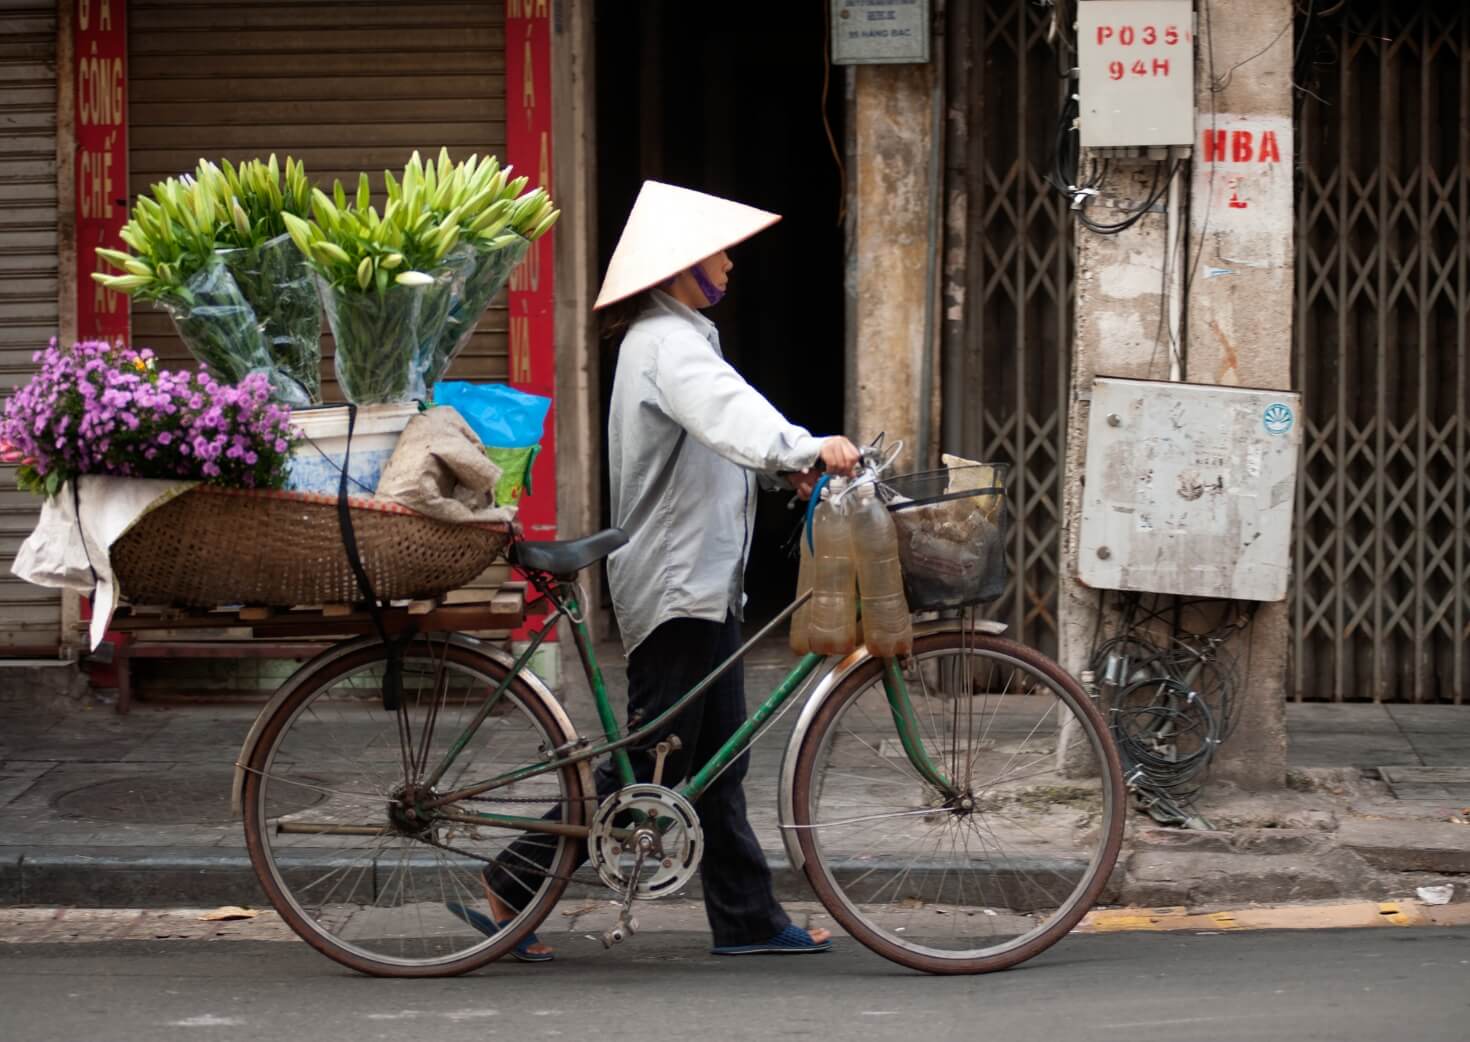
[625, 927]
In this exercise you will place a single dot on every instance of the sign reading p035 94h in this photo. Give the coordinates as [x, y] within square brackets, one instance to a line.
[1135, 62]
[880, 32]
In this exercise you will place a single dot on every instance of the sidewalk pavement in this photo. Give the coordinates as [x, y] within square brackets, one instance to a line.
[101, 810]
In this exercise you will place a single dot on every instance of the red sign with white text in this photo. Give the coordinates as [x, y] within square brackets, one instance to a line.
[532, 329]
[100, 41]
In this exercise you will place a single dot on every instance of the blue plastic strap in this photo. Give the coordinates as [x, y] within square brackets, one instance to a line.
[811, 509]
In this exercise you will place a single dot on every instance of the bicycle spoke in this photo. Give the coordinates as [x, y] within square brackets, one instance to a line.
[866, 819]
[983, 877]
[376, 898]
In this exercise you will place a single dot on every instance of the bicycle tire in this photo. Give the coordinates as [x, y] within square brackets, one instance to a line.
[832, 873]
[272, 865]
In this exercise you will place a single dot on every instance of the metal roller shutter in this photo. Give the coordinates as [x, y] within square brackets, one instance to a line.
[30, 617]
[344, 87]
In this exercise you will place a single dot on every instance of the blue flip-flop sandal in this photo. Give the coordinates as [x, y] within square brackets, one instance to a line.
[490, 928]
[791, 941]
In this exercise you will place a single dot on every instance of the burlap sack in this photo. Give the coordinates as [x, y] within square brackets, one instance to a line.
[439, 468]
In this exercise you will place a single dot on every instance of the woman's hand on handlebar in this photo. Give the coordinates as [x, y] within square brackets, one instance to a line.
[839, 456]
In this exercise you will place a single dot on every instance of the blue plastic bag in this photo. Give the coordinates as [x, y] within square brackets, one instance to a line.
[503, 417]
[509, 422]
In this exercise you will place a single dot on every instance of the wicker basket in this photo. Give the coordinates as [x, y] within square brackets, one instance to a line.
[211, 546]
[952, 527]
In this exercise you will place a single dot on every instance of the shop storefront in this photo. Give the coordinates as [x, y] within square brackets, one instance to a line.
[30, 617]
[119, 95]
[343, 87]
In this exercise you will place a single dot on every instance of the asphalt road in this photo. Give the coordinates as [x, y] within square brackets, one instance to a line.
[1334, 985]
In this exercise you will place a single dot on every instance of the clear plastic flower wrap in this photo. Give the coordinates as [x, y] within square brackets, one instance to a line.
[209, 248]
[485, 272]
[221, 330]
[440, 301]
[274, 279]
[391, 282]
[379, 334]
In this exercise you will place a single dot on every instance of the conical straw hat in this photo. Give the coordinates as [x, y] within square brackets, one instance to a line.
[671, 229]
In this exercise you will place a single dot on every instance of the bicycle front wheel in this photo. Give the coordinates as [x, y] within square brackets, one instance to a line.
[332, 828]
[1008, 859]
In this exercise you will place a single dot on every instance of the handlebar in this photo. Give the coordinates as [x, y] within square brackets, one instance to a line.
[874, 461]
[873, 457]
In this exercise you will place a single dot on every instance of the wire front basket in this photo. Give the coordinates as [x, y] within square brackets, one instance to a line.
[951, 534]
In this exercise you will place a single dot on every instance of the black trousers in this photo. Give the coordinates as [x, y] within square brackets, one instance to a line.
[738, 898]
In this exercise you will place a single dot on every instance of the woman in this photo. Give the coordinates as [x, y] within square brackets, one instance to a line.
[686, 438]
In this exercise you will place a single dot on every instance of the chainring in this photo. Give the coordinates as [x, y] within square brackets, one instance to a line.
[610, 842]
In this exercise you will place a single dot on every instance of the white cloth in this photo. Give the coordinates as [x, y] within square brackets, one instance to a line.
[685, 433]
[69, 548]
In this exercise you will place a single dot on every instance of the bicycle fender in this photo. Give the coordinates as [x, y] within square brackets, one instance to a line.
[786, 806]
[495, 654]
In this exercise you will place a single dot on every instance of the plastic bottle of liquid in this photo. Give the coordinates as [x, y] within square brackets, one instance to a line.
[833, 620]
[887, 627]
[801, 641]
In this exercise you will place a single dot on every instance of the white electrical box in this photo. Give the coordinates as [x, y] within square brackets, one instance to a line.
[1135, 61]
[1189, 489]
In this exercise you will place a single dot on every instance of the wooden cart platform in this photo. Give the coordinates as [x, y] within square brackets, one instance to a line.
[299, 633]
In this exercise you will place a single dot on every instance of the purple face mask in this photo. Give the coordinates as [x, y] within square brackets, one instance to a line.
[712, 293]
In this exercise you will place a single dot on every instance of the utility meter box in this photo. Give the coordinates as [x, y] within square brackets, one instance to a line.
[1135, 62]
[1189, 489]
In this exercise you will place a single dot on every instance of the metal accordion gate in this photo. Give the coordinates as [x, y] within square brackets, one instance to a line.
[1009, 280]
[1380, 599]
[1381, 589]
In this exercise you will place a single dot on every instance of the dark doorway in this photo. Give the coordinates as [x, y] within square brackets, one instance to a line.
[723, 100]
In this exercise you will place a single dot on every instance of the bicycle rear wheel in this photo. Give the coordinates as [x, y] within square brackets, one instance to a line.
[1000, 869]
[328, 790]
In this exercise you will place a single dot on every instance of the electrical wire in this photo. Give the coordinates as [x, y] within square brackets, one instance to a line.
[1171, 699]
[1082, 187]
[1199, 249]
[827, 123]
[1308, 14]
[1067, 47]
[1159, 186]
[1216, 86]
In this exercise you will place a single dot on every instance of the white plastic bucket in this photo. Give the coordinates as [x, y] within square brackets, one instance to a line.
[316, 460]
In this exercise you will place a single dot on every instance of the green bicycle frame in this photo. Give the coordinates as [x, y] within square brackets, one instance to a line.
[895, 687]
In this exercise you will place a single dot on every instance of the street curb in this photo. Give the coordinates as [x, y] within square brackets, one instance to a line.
[10, 886]
[120, 877]
[1328, 916]
[141, 877]
[152, 877]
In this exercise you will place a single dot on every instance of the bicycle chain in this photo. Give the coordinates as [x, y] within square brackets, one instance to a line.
[528, 869]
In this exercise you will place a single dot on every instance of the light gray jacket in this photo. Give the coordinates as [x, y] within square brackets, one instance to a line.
[685, 435]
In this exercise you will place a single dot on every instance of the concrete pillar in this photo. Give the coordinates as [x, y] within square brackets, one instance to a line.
[1237, 263]
[890, 261]
[1240, 300]
[578, 428]
[1118, 300]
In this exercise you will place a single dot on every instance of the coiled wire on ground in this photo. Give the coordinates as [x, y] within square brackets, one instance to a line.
[1170, 696]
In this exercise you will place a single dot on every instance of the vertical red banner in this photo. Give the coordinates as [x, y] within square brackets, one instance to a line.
[532, 330]
[100, 41]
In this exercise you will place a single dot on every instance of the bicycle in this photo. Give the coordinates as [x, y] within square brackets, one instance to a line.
[956, 810]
